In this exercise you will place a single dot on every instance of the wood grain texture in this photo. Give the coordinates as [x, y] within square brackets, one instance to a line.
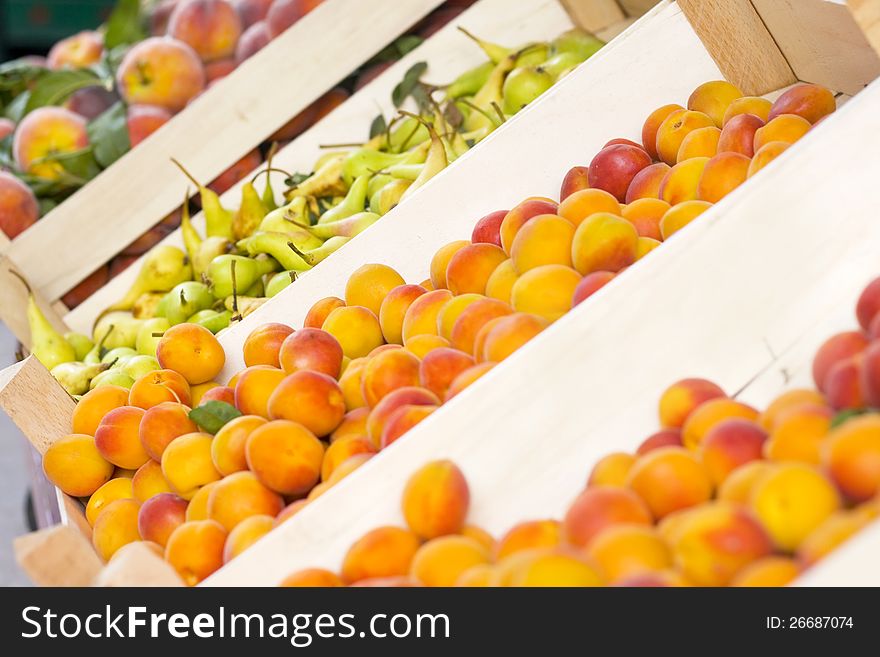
[867, 14]
[738, 41]
[594, 15]
[822, 42]
[214, 131]
[636, 8]
[58, 556]
[447, 52]
[138, 565]
[13, 304]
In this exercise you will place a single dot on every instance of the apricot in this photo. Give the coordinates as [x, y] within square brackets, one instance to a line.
[369, 285]
[809, 101]
[713, 542]
[681, 182]
[836, 349]
[254, 387]
[713, 98]
[765, 155]
[117, 437]
[440, 367]
[584, 204]
[702, 142]
[472, 319]
[738, 135]
[661, 579]
[479, 576]
[652, 125]
[195, 549]
[451, 311]
[555, 568]
[791, 500]
[868, 304]
[223, 394]
[670, 479]
[239, 496]
[388, 371]
[320, 310]
[870, 372]
[228, 446]
[148, 481]
[422, 345]
[784, 127]
[599, 507]
[144, 120]
[834, 531]
[435, 500]
[680, 215]
[467, 378]
[159, 386]
[785, 401]
[488, 228]
[621, 551]
[290, 510]
[311, 399]
[510, 334]
[422, 315]
[710, 413]
[721, 175]
[729, 444]
[187, 464]
[343, 449]
[312, 578]
[754, 105]
[738, 485]
[545, 239]
[798, 433]
[574, 180]
[348, 466]
[440, 262]
[198, 505]
[645, 215]
[517, 217]
[159, 516]
[94, 405]
[160, 71]
[381, 552]
[675, 127]
[19, 208]
[658, 439]
[501, 281]
[441, 561]
[470, 267]
[604, 242]
[285, 456]
[646, 183]
[115, 489]
[356, 329]
[161, 424]
[210, 27]
[528, 536]
[590, 284]
[851, 456]
[350, 384]
[611, 470]
[393, 310]
[767, 571]
[843, 384]
[191, 350]
[614, 167]
[116, 526]
[645, 246]
[682, 398]
[78, 51]
[42, 136]
[263, 344]
[354, 423]
[246, 533]
[311, 349]
[402, 420]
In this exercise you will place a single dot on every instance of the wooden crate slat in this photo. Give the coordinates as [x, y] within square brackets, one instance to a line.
[867, 15]
[448, 53]
[14, 298]
[594, 15]
[58, 556]
[209, 135]
[138, 565]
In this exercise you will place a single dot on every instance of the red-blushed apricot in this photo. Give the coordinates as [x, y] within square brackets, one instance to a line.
[393, 310]
[851, 456]
[348, 466]
[705, 416]
[343, 449]
[440, 367]
[738, 135]
[682, 398]
[320, 310]
[157, 387]
[790, 500]
[652, 125]
[115, 489]
[470, 267]
[738, 485]
[554, 568]
[500, 283]
[187, 464]
[582, 205]
[599, 507]
[263, 343]
[381, 552]
[510, 334]
[611, 470]
[192, 351]
[721, 175]
[350, 384]
[442, 560]
[388, 371]
[354, 423]
[870, 375]
[574, 180]
[117, 437]
[835, 349]
[239, 496]
[798, 433]
[159, 516]
[421, 318]
[868, 305]
[729, 444]
[115, 526]
[590, 284]
[702, 142]
[476, 315]
[311, 578]
[94, 405]
[645, 214]
[809, 101]
[467, 378]
[765, 155]
[255, 386]
[604, 242]
[658, 439]
[311, 349]
[670, 479]
[527, 536]
[370, 284]
[713, 98]
[380, 415]
[674, 129]
[519, 215]
[543, 240]
[681, 182]
[402, 420]
[646, 183]
[311, 399]
[754, 105]
[228, 446]
[215, 393]
[680, 215]
[386, 582]
[843, 384]
[195, 549]
[614, 167]
[767, 571]
[290, 510]
[623, 550]
[784, 127]
[148, 481]
[713, 542]
[440, 262]
[210, 27]
[246, 533]
[163, 423]
[785, 401]
[488, 228]
[435, 500]
[356, 329]
[661, 579]
[285, 456]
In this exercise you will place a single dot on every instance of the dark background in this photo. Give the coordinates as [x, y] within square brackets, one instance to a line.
[30, 27]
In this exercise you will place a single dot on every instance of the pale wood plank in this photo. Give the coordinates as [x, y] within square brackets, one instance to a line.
[594, 15]
[137, 565]
[13, 303]
[58, 556]
[735, 36]
[867, 15]
[636, 8]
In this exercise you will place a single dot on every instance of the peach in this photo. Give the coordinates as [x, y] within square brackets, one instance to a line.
[285, 456]
[868, 305]
[721, 175]
[680, 399]
[599, 507]
[614, 167]
[501, 281]
[253, 40]
[440, 367]
[422, 345]
[195, 549]
[117, 437]
[210, 27]
[393, 310]
[87, 287]
[590, 284]
[625, 550]
[350, 384]
[191, 350]
[646, 183]
[467, 378]
[851, 456]
[159, 386]
[94, 405]
[843, 384]
[870, 372]
[713, 98]
[421, 316]
[239, 496]
[785, 401]
[217, 70]
[765, 155]
[18, 206]
[369, 285]
[228, 446]
[705, 416]
[441, 561]
[311, 349]
[115, 489]
[611, 470]
[670, 479]
[311, 578]
[91, 102]
[791, 500]
[309, 398]
[116, 526]
[451, 311]
[144, 120]
[440, 261]
[604, 242]
[78, 51]
[681, 181]
[785, 127]
[809, 101]
[582, 205]
[251, 11]
[575, 179]
[680, 215]
[148, 481]
[354, 423]
[284, 13]
[435, 500]
[519, 216]
[544, 240]
[356, 329]
[254, 387]
[738, 135]
[834, 350]
[510, 334]
[645, 214]
[163, 423]
[702, 142]
[246, 533]
[470, 267]
[738, 485]
[712, 543]
[187, 464]
[528, 536]
[652, 125]
[675, 127]
[754, 105]
[159, 516]
[160, 71]
[662, 438]
[555, 568]
[381, 552]
[488, 228]
[729, 444]
[798, 433]
[767, 571]
[263, 344]
[44, 134]
[320, 310]
[343, 449]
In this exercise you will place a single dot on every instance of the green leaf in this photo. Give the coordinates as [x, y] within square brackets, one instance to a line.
[125, 25]
[80, 164]
[108, 134]
[408, 84]
[213, 415]
[55, 87]
[16, 109]
[378, 126]
[407, 43]
[846, 415]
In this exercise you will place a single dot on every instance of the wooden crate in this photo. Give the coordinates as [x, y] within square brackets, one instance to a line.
[214, 131]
